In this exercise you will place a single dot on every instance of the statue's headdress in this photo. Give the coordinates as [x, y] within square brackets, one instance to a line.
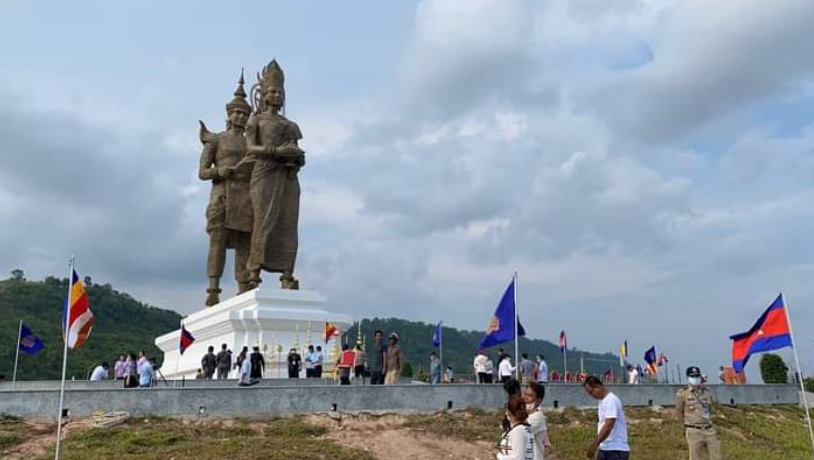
[239, 101]
[271, 76]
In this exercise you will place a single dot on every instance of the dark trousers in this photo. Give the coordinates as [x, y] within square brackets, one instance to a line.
[223, 373]
[505, 378]
[377, 378]
[612, 455]
[309, 373]
[293, 373]
[317, 372]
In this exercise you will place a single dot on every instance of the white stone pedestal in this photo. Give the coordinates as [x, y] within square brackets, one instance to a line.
[265, 317]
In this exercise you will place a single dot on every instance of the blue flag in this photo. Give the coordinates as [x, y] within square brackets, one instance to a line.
[29, 343]
[501, 327]
[650, 359]
[436, 335]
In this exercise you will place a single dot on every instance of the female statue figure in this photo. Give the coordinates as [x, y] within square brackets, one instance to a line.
[274, 188]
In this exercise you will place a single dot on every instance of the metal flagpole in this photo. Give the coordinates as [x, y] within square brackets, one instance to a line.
[17, 357]
[565, 362]
[799, 372]
[64, 357]
[441, 345]
[516, 331]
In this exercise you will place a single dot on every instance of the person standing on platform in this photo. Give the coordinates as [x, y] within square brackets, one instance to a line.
[120, 367]
[258, 363]
[310, 357]
[435, 369]
[224, 360]
[209, 363]
[294, 361]
[147, 375]
[542, 370]
[319, 359]
[394, 360]
[245, 373]
[244, 353]
[611, 439]
[100, 373]
[722, 376]
[526, 370]
[131, 372]
[479, 366]
[378, 358]
[345, 364]
[359, 364]
[490, 371]
[505, 368]
[693, 405]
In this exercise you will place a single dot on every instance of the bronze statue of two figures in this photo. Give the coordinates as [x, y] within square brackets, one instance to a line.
[255, 202]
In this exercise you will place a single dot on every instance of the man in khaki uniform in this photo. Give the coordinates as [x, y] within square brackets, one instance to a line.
[693, 406]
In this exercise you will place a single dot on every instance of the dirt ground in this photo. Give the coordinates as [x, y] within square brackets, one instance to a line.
[385, 438]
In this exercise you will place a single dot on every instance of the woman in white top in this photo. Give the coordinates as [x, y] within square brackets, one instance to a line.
[517, 442]
[533, 397]
[505, 369]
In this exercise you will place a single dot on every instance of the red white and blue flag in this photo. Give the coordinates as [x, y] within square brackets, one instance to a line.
[77, 314]
[770, 332]
[563, 341]
[186, 339]
[651, 360]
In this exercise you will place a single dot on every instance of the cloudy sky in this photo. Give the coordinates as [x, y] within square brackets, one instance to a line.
[647, 166]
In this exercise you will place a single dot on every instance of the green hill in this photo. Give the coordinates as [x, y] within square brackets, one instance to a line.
[460, 347]
[121, 324]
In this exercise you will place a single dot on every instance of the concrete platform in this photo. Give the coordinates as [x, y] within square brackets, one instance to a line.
[271, 400]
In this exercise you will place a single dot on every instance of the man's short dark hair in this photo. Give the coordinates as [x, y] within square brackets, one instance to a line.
[538, 389]
[525, 355]
[319, 348]
[211, 348]
[223, 346]
[104, 364]
[378, 331]
[592, 381]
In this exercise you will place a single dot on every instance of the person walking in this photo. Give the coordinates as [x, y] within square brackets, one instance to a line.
[209, 363]
[224, 360]
[378, 358]
[505, 369]
[120, 367]
[99, 373]
[258, 363]
[310, 357]
[319, 359]
[245, 371]
[533, 396]
[394, 360]
[294, 361]
[435, 369]
[693, 405]
[517, 441]
[244, 353]
[611, 439]
[542, 370]
[526, 369]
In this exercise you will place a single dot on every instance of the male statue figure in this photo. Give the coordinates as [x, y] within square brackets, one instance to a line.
[275, 190]
[228, 216]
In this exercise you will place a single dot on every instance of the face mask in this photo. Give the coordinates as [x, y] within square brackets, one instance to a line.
[694, 381]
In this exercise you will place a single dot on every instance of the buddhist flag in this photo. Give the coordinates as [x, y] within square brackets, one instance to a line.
[77, 314]
[186, 339]
[331, 331]
[622, 353]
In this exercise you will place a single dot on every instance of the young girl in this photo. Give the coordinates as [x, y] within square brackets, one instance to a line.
[517, 441]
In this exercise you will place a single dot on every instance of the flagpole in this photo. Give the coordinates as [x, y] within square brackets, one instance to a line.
[799, 371]
[441, 345]
[516, 332]
[17, 356]
[66, 330]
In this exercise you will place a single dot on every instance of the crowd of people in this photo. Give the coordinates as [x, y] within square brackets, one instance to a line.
[134, 371]
[535, 370]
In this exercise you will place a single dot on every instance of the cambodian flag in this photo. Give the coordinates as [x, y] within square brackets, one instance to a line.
[563, 341]
[770, 332]
[186, 339]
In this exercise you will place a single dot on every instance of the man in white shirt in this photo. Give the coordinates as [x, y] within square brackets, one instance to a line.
[633, 377]
[480, 367]
[505, 370]
[100, 373]
[542, 370]
[611, 439]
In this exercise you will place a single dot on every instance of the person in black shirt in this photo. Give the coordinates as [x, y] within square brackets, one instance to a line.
[209, 362]
[258, 364]
[224, 359]
[294, 364]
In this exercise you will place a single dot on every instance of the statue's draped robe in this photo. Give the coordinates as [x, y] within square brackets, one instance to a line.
[275, 196]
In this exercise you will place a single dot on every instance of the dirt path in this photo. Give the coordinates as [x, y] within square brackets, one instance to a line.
[36, 446]
[387, 439]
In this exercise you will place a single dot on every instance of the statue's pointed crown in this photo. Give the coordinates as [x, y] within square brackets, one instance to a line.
[272, 75]
[239, 101]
